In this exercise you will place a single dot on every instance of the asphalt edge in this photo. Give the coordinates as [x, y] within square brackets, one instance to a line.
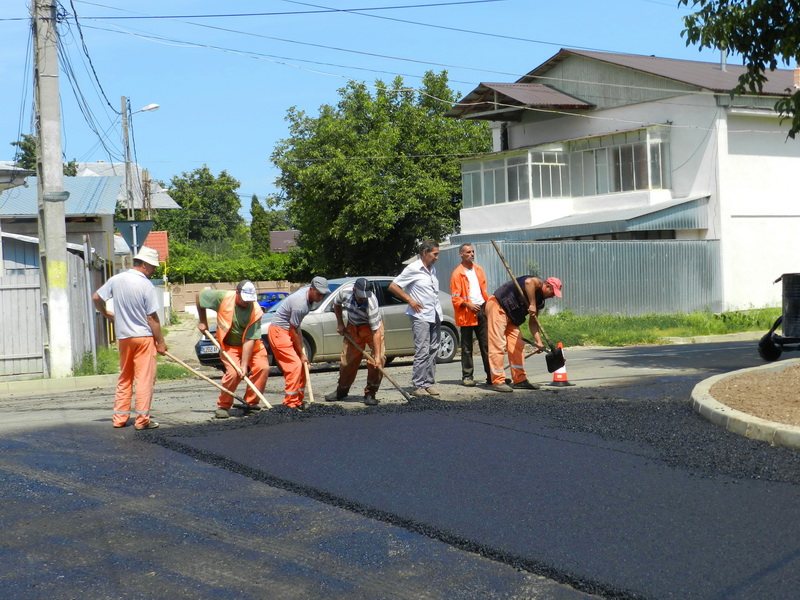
[740, 423]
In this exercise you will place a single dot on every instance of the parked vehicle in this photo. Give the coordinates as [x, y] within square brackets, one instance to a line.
[269, 299]
[322, 342]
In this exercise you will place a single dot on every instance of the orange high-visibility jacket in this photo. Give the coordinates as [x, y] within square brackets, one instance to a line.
[225, 316]
[459, 289]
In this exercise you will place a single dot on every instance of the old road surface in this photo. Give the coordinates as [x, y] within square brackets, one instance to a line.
[612, 488]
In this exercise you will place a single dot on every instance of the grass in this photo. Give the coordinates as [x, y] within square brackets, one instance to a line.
[108, 364]
[616, 330]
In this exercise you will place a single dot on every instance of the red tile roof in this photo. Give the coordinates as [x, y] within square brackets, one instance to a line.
[158, 240]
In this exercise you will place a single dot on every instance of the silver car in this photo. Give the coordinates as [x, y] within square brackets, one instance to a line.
[323, 344]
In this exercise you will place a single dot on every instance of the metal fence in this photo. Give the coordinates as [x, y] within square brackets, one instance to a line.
[21, 327]
[608, 277]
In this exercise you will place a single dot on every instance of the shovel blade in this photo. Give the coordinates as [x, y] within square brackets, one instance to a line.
[555, 360]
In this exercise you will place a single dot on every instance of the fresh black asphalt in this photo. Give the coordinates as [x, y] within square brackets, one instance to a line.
[622, 492]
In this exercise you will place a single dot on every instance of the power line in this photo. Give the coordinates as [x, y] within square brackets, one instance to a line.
[288, 13]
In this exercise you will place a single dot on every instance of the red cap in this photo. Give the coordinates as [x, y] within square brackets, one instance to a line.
[556, 283]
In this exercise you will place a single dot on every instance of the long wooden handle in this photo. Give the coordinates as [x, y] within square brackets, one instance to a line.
[201, 376]
[521, 293]
[232, 362]
[308, 382]
[369, 356]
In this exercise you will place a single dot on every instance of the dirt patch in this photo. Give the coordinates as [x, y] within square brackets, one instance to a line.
[771, 395]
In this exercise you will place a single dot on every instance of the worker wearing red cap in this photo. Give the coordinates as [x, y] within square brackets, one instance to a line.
[505, 312]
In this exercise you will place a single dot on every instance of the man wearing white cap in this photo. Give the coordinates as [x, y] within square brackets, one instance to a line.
[286, 341]
[138, 331]
[239, 335]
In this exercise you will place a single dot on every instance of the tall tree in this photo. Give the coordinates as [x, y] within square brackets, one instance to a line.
[764, 32]
[368, 178]
[210, 207]
[259, 229]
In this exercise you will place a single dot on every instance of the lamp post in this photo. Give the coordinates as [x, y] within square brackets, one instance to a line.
[126, 114]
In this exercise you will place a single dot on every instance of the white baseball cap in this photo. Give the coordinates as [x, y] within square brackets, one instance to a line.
[247, 290]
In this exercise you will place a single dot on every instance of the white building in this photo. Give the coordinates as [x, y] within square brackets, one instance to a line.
[593, 146]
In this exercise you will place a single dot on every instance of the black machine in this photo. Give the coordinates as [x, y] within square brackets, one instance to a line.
[772, 344]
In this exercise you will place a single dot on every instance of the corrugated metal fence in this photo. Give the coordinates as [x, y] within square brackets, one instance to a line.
[21, 340]
[608, 277]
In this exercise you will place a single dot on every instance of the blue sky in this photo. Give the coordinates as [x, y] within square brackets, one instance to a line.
[224, 83]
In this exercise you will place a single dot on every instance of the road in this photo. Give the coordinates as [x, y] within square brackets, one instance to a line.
[612, 488]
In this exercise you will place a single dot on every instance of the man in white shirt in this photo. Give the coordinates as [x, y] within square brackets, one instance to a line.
[138, 333]
[418, 286]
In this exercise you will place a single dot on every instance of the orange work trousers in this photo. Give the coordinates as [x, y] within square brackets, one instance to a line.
[503, 334]
[294, 377]
[351, 360]
[259, 370]
[137, 362]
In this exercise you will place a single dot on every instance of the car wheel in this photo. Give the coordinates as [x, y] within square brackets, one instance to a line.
[448, 344]
[768, 349]
[307, 349]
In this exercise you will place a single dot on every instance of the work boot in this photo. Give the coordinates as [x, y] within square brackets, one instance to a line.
[370, 400]
[336, 396]
[251, 408]
[503, 387]
[420, 392]
[150, 425]
[524, 385]
[221, 413]
[433, 391]
[468, 382]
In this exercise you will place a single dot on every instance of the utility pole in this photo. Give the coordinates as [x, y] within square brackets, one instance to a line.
[126, 150]
[54, 275]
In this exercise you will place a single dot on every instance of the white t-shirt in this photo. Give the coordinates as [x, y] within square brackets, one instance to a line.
[134, 297]
[475, 295]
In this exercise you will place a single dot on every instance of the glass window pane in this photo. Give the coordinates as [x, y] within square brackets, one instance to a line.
[626, 168]
[499, 188]
[488, 187]
[655, 166]
[513, 185]
[466, 191]
[641, 180]
[602, 168]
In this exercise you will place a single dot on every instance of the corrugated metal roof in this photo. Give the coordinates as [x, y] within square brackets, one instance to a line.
[159, 198]
[88, 196]
[512, 95]
[681, 213]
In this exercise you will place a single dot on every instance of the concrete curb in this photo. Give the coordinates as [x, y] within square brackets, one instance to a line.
[38, 386]
[735, 421]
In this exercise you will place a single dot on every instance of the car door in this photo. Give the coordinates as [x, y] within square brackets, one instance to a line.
[399, 340]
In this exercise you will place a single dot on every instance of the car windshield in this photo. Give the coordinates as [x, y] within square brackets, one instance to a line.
[304, 289]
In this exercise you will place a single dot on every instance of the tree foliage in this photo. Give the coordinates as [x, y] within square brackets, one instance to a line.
[259, 229]
[366, 179]
[210, 207]
[191, 263]
[26, 154]
[764, 32]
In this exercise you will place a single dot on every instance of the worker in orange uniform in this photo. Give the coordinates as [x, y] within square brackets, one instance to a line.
[239, 335]
[286, 341]
[469, 296]
[505, 312]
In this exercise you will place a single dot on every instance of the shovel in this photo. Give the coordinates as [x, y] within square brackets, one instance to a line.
[555, 358]
[238, 369]
[369, 356]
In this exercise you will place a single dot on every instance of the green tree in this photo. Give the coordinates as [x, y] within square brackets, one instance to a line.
[210, 207]
[763, 32]
[259, 229]
[367, 179]
[26, 155]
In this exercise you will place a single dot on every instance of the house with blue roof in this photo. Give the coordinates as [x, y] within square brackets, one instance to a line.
[89, 213]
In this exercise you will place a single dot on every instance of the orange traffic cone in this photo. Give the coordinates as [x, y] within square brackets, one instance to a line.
[560, 378]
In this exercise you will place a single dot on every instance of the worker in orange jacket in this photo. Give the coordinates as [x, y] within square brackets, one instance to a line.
[469, 295]
[239, 335]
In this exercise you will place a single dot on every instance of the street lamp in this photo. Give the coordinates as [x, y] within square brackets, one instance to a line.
[127, 149]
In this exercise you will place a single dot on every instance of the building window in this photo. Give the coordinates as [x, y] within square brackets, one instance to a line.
[620, 162]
